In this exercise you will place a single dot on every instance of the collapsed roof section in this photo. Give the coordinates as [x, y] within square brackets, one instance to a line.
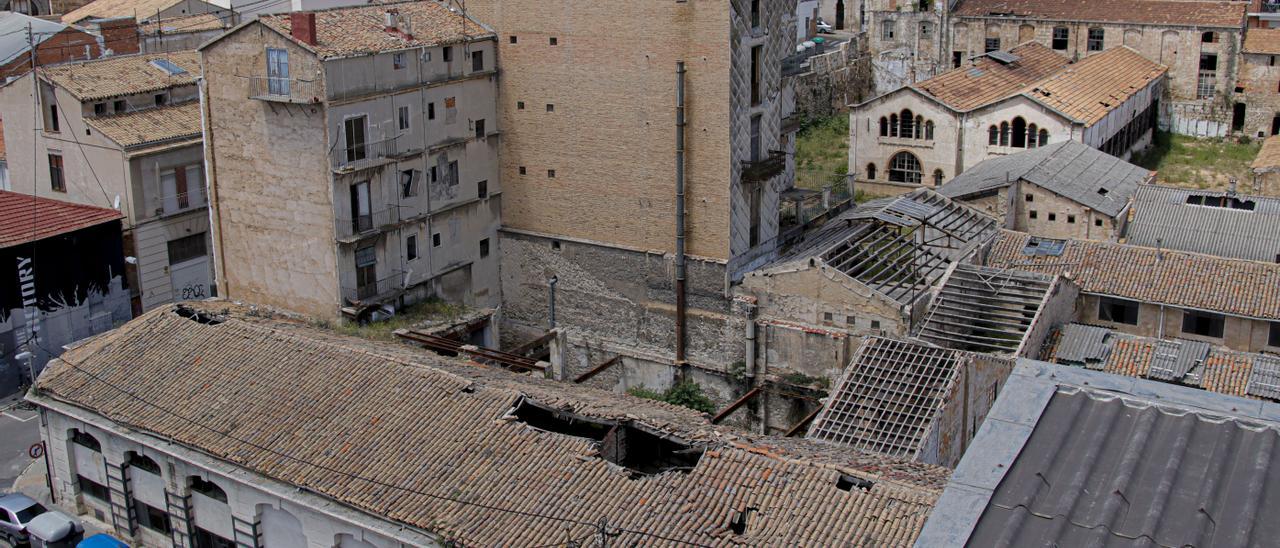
[900, 246]
[986, 309]
[1178, 361]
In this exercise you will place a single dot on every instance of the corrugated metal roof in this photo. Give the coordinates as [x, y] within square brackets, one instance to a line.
[1163, 218]
[1083, 345]
[1070, 169]
[13, 33]
[1099, 470]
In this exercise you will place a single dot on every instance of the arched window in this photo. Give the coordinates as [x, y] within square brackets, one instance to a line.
[937, 177]
[908, 124]
[871, 172]
[919, 126]
[1044, 137]
[1004, 134]
[993, 135]
[1019, 133]
[893, 125]
[904, 167]
[86, 440]
[1031, 136]
[928, 130]
[884, 126]
[207, 488]
[142, 462]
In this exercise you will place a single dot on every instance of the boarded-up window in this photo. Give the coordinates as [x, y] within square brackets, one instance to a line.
[450, 110]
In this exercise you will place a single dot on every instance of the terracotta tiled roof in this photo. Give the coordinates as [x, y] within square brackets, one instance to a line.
[1268, 157]
[1262, 40]
[20, 224]
[1087, 90]
[442, 426]
[185, 24]
[152, 125]
[1154, 12]
[342, 32]
[986, 80]
[1175, 278]
[105, 9]
[123, 75]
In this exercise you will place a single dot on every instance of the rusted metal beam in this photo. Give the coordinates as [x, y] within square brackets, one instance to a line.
[441, 344]
[803, 423]
[526, 347]
[735, 405]
[597, 369]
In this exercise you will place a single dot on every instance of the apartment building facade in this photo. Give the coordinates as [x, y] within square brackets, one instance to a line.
[121, 132]
[357, 148]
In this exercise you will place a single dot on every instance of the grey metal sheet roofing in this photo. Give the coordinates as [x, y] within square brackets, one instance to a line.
[1071, 457]
[1163, 218]
[1069, 168]
[13, 33]
[1264, 378]
[1084, 345]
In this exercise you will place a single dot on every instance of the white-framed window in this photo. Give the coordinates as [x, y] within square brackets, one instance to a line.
[277, 71]
[402, 117]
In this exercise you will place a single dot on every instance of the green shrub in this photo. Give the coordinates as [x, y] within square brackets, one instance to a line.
[685, 394]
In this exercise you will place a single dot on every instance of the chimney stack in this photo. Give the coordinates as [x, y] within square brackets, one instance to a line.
[302, 25]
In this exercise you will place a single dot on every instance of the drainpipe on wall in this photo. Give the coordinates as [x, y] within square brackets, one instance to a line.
[680, 258]
[551, 300]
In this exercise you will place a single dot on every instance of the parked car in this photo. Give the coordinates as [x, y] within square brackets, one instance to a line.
[823, 27]
[54, 530]
[16, 511]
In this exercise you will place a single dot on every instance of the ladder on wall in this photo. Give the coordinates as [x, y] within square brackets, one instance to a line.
[123, 518]
[179, 509]
[248, 534]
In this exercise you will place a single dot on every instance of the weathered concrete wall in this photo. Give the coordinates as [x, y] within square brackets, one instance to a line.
[965, 407]
[1059, 217]
[1243, 334]
[1058, 308]
[836, 79]
[907, 39]
[822, 296]
[1261, 77]
[270, 185]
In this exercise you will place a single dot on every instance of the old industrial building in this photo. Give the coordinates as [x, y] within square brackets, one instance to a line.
[907, 39]
[1266, 168]
[1199, 42]
[1226, 224]
[1062, 190]
[1001, 103]
[1071, 457]
[1179, 361]
[121, 132]
[281, 462]
[357, 148]
[1259, 113]
[1160, 293]
[65, 281]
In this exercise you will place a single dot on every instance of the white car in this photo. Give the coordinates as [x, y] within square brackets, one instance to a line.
[823, 27]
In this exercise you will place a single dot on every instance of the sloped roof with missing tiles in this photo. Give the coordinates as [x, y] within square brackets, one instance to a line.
[121, 75]
[1094, 86]
[985, 80]
[379, 414]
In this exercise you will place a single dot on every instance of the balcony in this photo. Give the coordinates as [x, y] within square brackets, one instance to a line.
[162, 206]
[285, 90]
[348, 229]
[374, 292]
[364, 155]
[765, 168]
[1269, 7]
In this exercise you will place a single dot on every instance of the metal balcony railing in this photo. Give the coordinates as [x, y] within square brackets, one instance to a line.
[1270, 7]
[373, 291]
[361, 155]
[765, 168]
[178, 203]
[285, 90]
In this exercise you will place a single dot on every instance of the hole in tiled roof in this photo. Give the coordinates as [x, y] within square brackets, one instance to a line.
[847, 483]
[198, 316]
[168, 66]
[1044, 246]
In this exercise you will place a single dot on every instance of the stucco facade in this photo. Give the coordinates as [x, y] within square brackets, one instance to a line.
[1166, 322]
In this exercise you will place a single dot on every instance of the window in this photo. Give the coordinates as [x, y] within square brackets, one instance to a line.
[884, 126]
[431, 111]
[1097, 222]
[99, 109]
[928, 130]
[93, 489]
[551, 174]
[886, 31]
[554, 41]
[86, 440]
[992, 44]
[354, 131]
[1031, 198]
[1095, 39]
[208, 489]
[402, 115]
[397, 61]
[755, 201]
[926, 30]
[993, 135]
[1203, 323]
[756, 53]
[957, 59]
[480, 129]
[513, 39]
[1118, 310]
[1032, 136]
[151, 517]
[484, 248]
[875, 324]
[755, 14]
[1053, 216]
[446, 53]
[482, 189]
[57, 179]
[452, 174]
[361, 216]
[937, 177]
[551, 107]
[1273, 337]
[120, 106]
[1004, 134]
[411, 247]
[906, 127]
[435, 174]
[144, 463]
[206, 539]
[1018, 133]
[1071, 219]
[161, 99]
[1060, 38]
[435, 240]
[409, 183]
[187, 248]
[904, 167]
[1043, 137]
[871, 172]
[522, 170]
[755, 138]
[893, 125]
[1208, 77]
[277, 71]
[1209, 37]
[1032, 214]
[54, 126]
[366, 272]
[477, 61]
[519, 105]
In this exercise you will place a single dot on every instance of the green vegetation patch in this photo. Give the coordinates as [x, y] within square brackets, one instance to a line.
[1190, 162]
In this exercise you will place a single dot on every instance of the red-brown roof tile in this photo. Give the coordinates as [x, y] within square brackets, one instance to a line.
[344, 32]
[986, 80]
[26, 219]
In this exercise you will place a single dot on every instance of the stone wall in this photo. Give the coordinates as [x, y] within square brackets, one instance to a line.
[836, 79]
[1261, 77]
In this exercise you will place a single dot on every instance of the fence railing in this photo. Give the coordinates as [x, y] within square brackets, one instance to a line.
[178, 203]
[373, 291]
[358, 155]
[285, 90]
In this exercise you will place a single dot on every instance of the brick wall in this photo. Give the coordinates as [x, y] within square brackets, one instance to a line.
[69, 45]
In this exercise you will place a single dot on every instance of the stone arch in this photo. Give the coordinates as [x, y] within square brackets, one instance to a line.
[904, 167]
[280, 529]
[1133, 38]
[1018, 133]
